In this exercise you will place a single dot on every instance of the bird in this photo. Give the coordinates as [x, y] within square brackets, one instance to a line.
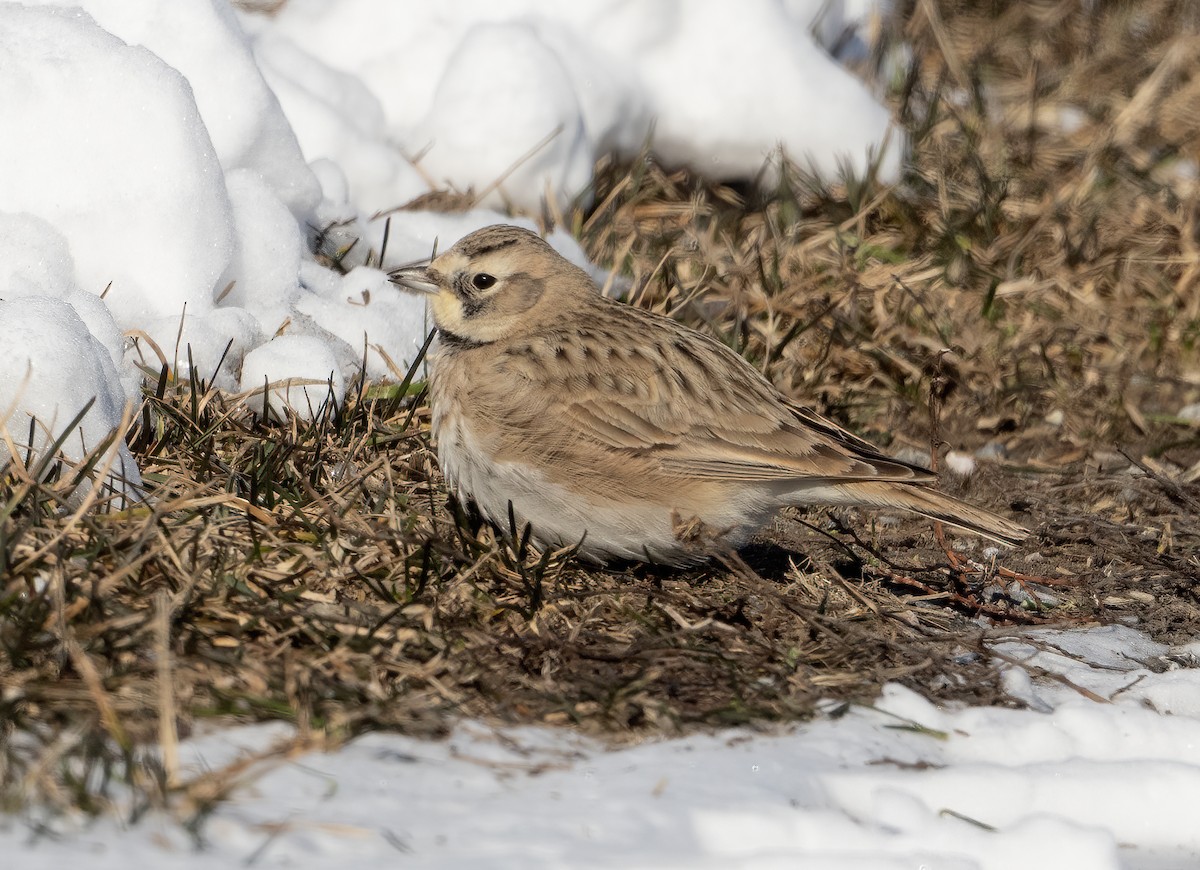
[623, 433]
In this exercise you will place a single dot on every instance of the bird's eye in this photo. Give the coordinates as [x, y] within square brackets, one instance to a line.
[483, 280]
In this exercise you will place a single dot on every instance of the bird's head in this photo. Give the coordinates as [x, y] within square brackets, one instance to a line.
[495, 283]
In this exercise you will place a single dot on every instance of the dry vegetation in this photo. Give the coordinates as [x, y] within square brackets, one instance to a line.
[1045, 234]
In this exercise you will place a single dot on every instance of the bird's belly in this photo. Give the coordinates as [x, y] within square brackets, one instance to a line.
[560, 516]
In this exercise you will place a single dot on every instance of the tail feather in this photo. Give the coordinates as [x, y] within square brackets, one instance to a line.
[921, 500]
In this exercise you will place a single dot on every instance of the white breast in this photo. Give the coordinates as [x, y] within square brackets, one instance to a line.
[558, 516]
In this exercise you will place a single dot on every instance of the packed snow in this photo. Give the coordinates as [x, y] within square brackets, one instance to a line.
[168, 169]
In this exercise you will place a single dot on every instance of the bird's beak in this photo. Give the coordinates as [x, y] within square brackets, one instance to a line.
[414, 278]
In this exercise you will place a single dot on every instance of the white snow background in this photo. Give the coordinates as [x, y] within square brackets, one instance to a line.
[165, 166]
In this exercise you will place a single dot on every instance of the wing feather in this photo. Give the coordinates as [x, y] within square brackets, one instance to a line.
[698, 410]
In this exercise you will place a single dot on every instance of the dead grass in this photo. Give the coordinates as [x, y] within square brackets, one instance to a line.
[1045, 233]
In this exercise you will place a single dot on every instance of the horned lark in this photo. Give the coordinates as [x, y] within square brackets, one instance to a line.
[608, 425]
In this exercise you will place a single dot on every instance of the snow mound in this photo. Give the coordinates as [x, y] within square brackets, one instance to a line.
[105, 143]
[54, 369]
[517, 101]
[296, 372]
